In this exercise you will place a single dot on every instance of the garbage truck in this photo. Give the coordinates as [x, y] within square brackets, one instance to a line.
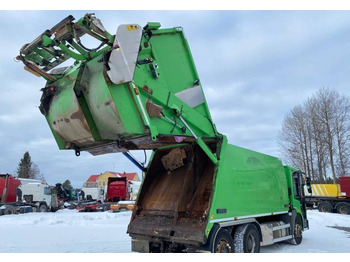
[139, 90]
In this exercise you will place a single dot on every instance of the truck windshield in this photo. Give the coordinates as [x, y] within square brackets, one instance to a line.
[47, 191]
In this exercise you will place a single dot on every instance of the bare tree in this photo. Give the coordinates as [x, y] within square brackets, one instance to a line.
[292, 139]
[325, 114]
[315, 136]
[342, 132]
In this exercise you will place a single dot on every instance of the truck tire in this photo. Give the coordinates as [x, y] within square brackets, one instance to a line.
[298, 232]
[246, 239]
[42, 208]
[10, 210]
[223, 242]
[343, 208]
[326, 207]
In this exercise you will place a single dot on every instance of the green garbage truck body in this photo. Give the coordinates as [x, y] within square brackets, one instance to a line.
[139, 90]
[187, 207]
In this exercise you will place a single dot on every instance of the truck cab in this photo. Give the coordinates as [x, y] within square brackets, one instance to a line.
[296, 191]
[91, 192]
[37, 193]
[118, 189]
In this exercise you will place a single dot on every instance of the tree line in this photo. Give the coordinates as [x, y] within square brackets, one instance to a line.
[315, 136]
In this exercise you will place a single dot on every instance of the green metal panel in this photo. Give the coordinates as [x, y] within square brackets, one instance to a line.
[248, 184]
[162, 104]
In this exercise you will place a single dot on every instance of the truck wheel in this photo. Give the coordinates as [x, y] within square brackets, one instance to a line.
[42, 208]
[246, 239]
[10, 210]
[223, 242]
[325, 207]
[343, 208]
[298, 232]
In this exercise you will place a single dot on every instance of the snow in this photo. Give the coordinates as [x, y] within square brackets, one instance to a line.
[65, 231]
[68, 231]
[321, 237]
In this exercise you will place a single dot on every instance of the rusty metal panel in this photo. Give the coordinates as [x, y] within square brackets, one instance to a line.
[174, 205]
[174, 159]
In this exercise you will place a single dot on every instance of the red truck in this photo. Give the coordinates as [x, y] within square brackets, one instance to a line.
[117, 189]
[8, 196]
[8, 188]
[117, 197]
[25, 195]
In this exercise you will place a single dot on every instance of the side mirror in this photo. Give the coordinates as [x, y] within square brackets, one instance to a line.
[308, 185]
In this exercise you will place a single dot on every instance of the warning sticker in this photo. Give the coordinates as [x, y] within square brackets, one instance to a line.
[132, 27]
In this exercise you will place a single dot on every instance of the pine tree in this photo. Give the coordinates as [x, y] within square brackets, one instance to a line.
[28, 169]
[24, 169]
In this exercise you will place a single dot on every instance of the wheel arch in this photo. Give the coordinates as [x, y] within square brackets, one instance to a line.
[43, 203]
[301, 218]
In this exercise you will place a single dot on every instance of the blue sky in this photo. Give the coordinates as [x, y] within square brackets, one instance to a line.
[254, 66]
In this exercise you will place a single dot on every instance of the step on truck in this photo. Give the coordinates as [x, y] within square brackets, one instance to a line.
[330, 198]
[140, 90]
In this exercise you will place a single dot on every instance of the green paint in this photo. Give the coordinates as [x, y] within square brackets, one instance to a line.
[89, 111]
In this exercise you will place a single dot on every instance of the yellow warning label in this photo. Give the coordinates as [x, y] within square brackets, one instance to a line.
[132, 27]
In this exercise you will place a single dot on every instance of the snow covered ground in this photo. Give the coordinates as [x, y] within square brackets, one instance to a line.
[68, 231]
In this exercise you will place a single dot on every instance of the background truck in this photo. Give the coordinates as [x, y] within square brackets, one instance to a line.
[65, 194]
[118, 188]
[330, 197]
[91, 192]
[139, 90]
[22, 195]
[39, 194]
[118, 191]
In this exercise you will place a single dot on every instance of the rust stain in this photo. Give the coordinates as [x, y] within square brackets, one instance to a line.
[175, 206]
[77, 115]
[153, 109]
[147, 89]
[174, 159]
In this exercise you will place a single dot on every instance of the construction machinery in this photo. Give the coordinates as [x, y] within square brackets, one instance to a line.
[139, 90]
